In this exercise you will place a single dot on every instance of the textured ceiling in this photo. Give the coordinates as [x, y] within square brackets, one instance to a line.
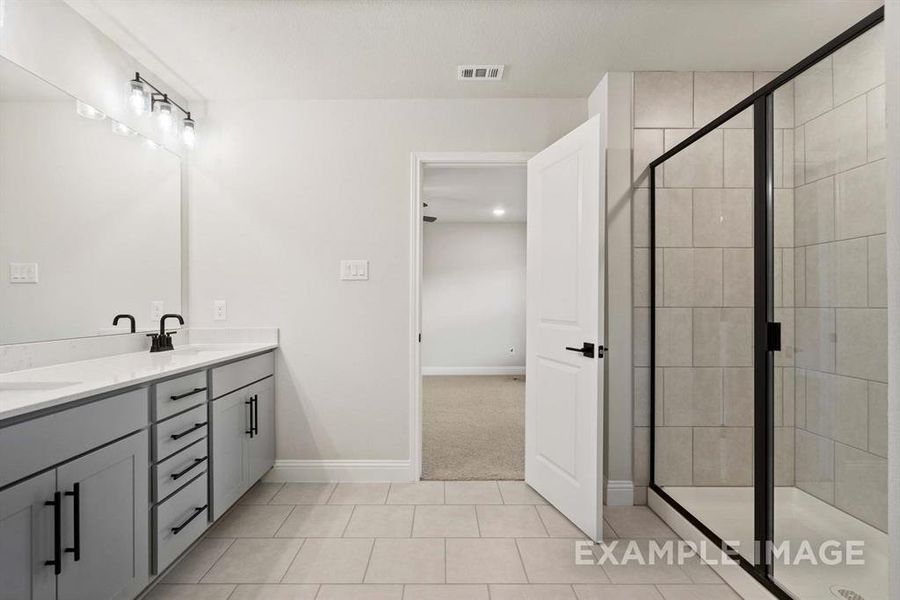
[267, 49]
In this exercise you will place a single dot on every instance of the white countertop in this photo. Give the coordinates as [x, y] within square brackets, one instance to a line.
[29, 390]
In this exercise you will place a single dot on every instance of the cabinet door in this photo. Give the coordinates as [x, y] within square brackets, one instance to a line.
[262, 444]
[26, 540]
[106, 522]
[230, 433]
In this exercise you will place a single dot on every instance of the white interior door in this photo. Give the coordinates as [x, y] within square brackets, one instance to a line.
[563, 391]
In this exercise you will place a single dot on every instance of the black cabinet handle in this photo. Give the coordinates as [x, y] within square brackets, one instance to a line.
[255, 414]
[76, 523]
[252, 430]
[56, 503]
[186, 394]
[178, 436]
[200, 509]
[180, 474]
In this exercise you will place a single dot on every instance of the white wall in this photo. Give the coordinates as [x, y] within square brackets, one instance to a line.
[473, 298]
[281, 191]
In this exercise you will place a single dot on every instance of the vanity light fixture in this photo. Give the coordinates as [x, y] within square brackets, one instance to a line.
[122, 129]
[499, 212]
[88, 112]
[141, 91]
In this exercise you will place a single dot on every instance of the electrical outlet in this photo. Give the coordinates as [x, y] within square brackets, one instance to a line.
[23, 272]
[220, 310]
[156, 311]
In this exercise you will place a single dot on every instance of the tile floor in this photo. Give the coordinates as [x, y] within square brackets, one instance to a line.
[432, 540]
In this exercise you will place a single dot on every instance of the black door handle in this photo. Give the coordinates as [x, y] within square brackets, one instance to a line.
[587, 349]
[197, 511]
[178, 436]
[56, 503]
[255, 414]
[76, 523]
[251, 431]
[180, 474]
[186, 394]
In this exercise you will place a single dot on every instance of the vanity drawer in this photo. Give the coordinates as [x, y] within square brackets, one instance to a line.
[180, 468]
[238, 374]
[180, 431]
[180, 520]
[46, 441]
[176, 395]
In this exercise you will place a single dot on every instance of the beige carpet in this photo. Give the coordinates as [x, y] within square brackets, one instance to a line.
[473, 427]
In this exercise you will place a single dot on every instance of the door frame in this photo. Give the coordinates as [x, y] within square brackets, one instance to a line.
[418, 161]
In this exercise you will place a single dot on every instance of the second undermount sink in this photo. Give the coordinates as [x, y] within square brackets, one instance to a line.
[195, 350]
[29, 386]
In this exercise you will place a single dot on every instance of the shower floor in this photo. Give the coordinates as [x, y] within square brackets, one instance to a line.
[798, 516]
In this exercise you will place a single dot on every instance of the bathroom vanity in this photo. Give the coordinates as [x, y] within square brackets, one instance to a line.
[111, 468]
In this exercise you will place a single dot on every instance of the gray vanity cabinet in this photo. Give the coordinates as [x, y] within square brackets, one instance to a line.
[231, 431]
[26, 539]
[262, 444]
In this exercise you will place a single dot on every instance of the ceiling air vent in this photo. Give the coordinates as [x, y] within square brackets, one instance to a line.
[479, 72]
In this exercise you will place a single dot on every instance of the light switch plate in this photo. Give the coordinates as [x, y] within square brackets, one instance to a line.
[23, 272]
[354, 270]
[220, 310]
[156, 311]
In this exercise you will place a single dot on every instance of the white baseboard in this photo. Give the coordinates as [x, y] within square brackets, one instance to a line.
[619, 493]
[297, 471]
[473, 370]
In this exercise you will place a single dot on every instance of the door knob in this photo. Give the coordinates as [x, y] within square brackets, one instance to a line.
[587, 349]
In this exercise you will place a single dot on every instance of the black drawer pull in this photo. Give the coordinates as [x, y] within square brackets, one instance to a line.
[76, 525]
[178, 436]
[56, 503]
[196, 462]
[200, 509]
[186, 394]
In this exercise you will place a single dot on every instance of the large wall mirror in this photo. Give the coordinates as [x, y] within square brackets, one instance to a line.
[90, 217]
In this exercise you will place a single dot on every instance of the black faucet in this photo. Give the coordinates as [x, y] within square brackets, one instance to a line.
[123, 316]
[162, 341]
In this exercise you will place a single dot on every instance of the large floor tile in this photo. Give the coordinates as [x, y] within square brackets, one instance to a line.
[330, 560]
[253, 561]
[304, 493]
[193, 566]
[697, 592]
[445, 521]
[553, 561]
[484, 561]
[509, 521]
[316, 521]
[445, 592]
[261, 493]
[636, 522]
[406, 561]
[251, 521]
[190, 592]
[380, 521]
[556, 524]
[472, 492]
[419, 492]
[519, 492]
[532, 592]
[360, 493]
[621, 571]
[617, 592]
[275, 591]
[360, 592]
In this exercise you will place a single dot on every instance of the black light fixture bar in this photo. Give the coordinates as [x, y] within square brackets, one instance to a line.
[159, 95]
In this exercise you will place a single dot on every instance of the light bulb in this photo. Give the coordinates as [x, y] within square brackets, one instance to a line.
[188, 133]
[499, 212]
[122, 129]
[164, 115]
[137, 97]
[88, 112]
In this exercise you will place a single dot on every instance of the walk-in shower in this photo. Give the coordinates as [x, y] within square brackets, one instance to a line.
[769, 321]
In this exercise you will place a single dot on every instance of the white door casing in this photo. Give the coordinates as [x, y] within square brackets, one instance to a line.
[564, 298]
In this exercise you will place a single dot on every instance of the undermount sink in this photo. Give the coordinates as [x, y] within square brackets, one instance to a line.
[195, 350]
[19, 386]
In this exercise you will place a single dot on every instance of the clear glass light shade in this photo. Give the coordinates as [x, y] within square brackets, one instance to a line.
[122, 129]
[189, 133]
[164, 117]
[88, 112]
[138, 98]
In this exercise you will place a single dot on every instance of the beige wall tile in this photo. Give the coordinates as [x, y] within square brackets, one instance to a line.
[641, 459]
[641, 340]
[800, 277]
[723, 455]
[836, 274]
[738, 157]
[875, 113]
[815, 333]
[813, 91]
[787, 277]
[641, 273]
[814, 464]
[859, 66]
[738, 275]
[877, 271]
[723, 218]
[860, 485]
[814, 212]
[700, 165]
[860, 200]
[799, 156]
[692, 276]
[716, 92]
[738, 400]
[663, 99]
[674, 458]
[878, 419]
[673, 337]
[836, 141]
[862, 343]
[693, 396]
[723, 337]
[784, 218]
[641, 415]
[787, 159]
[837, 408]
[648, 146]
[800, 398]
[784, 456]
[674, 209]
[640, 218]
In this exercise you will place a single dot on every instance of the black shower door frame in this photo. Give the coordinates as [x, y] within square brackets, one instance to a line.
[766, 331]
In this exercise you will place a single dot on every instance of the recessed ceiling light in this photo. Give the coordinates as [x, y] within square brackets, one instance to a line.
[499, 212]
